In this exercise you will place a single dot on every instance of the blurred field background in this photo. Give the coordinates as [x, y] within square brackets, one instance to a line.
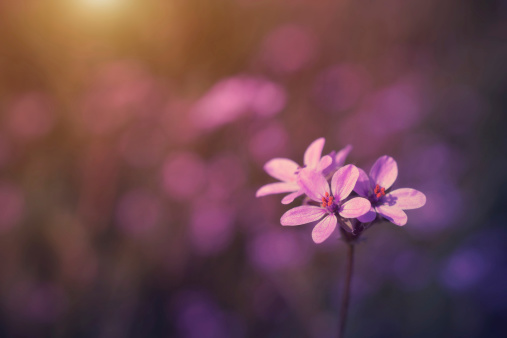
[132, 139]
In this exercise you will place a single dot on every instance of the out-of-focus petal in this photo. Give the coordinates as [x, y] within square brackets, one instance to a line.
[363, 183]
[282, 169]
[338, 160]
[301, 215]
[313, 183]
[393, 214]
[324, 163]
[344, 181]
[313, 153]
[341, 156]
[356, 207]
[330, 169]
[276, 188]
[291, 197]
[405, 198]
[384, 172]
[368, 217]
[324, 229]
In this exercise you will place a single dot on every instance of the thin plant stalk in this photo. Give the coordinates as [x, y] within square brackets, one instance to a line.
[346, 291]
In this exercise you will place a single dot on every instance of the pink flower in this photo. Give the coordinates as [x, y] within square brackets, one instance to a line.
[287, 171]
[315, 185]
[389, 205]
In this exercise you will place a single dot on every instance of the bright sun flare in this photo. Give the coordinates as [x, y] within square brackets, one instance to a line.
[101, 3]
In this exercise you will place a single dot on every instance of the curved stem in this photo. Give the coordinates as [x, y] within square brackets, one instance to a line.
[346, 290]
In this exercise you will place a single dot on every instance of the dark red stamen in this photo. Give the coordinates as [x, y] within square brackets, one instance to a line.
[379, 191]
[327, 201]
[330, 202]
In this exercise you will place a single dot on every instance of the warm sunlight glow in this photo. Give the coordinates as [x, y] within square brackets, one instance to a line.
[101, 4]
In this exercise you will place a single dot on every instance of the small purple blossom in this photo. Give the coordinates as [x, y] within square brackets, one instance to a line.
[389, 205]
[334, 206]
[315, 185]
[287, 171]
[323, 180]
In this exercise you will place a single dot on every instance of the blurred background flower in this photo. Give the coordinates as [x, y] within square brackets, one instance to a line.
[132, 139]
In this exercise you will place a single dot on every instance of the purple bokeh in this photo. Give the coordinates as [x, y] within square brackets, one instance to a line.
[133, 138]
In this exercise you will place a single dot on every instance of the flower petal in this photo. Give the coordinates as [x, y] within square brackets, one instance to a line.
[363, 184]
[384, 172]
[282, 169]
[405, 198]
[313, 183]
[368, 217]
[313, 153]
[343, 181]
[338, 160]
[341, 156]
[324, 229]
[324, 163]
[301, 215]
[292, 196]
[356, 207]
[276, 188]
[393, 214]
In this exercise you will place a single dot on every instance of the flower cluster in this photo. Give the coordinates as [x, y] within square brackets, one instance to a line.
[351, 198]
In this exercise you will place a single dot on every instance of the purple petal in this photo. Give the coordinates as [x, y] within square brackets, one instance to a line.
[313, 183]
[363, 184]
[393, 214]
[282, 169]
[324, 229]
[343, 181]
[384, 172]
[324, 163]
[406, 198]
[291, 197]
[330, 169]
[341, 156]
[356, 207]
[338, 160]
[276, 188]
[313, 153]
[368, 217]
[301, 215]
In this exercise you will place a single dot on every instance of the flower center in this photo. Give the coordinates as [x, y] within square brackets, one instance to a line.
[379, 191]
[327, 201]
